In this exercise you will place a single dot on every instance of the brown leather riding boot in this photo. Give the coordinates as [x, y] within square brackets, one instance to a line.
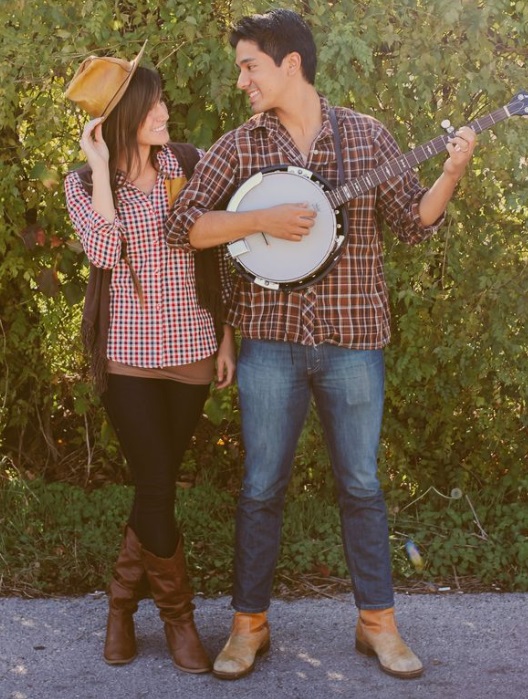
[377, 634]
[250, 636]
[126, 589]
[173, 595]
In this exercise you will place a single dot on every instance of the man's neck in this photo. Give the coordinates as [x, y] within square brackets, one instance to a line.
[302, 118]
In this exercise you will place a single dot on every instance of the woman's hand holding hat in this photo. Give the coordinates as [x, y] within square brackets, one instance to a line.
[93, 144]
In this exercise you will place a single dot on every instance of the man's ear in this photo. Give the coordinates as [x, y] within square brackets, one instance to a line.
[293, 62]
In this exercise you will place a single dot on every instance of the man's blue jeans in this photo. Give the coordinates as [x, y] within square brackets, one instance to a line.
[276, 381]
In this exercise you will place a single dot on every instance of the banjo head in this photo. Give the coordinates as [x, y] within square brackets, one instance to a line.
[283, 264]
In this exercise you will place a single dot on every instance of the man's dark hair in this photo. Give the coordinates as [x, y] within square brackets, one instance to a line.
[278, 33]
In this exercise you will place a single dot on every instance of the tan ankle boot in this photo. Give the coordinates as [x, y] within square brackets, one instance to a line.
[126, 589]
[376, 634]
[250, 636]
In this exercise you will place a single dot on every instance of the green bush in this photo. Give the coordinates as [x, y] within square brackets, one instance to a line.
[457, 375]
[59, 539]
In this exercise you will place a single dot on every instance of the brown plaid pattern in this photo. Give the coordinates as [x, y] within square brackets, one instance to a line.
[349, 307]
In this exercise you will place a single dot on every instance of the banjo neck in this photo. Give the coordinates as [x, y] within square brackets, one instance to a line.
[371, 179]
[279, 264]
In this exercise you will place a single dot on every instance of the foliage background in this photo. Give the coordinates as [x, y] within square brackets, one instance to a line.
[455, 442]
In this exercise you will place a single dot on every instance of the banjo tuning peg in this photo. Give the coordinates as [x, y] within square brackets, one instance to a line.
[447, 126]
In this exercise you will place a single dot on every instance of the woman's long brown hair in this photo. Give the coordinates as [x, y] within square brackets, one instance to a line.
[121, 127]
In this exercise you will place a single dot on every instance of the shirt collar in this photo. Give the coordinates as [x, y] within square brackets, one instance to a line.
[167, 164]
[270, 121]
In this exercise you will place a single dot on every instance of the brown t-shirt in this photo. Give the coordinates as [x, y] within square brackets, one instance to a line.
[201, 372]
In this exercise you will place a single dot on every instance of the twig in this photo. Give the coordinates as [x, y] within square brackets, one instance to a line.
[4, 343]
[165, 58]
[314, 588]
[447, 497]
[88, 448]
[48, 438]
[477, 522]
[456, 578]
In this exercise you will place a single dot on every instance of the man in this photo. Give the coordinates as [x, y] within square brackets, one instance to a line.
[323, 341]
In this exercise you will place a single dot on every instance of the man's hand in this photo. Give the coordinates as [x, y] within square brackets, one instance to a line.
[288, 221]
[460, 148]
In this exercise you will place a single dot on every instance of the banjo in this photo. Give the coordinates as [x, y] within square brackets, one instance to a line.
[279, 264]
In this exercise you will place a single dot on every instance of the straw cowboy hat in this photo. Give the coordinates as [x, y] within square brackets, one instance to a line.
[100, 82]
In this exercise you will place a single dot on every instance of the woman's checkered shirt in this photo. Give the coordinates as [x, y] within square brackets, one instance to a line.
[172, 328]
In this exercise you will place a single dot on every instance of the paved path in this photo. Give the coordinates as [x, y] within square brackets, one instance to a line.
[473, 647]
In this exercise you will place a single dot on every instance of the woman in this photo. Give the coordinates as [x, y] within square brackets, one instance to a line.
[159, 339]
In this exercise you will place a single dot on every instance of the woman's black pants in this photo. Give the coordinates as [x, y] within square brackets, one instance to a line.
[154, 420]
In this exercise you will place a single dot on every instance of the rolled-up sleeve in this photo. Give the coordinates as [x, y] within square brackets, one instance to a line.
[101, 240]
[400, 196]
[214, 175]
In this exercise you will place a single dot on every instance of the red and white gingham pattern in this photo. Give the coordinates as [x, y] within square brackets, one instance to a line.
[349, 307]
[172, 329]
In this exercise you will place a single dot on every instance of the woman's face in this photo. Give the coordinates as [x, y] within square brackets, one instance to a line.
[153, 131]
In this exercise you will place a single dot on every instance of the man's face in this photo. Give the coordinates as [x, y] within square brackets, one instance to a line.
[264, 82]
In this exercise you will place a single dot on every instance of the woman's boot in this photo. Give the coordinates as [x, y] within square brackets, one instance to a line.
[127, 587]
[173, 595]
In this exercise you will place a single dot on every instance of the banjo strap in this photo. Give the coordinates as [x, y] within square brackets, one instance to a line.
[337, 141]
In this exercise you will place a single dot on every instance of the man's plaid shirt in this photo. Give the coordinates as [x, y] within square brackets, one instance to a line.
[349, 307]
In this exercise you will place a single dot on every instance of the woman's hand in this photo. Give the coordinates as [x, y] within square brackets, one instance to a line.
[93, 144]
[226, 359]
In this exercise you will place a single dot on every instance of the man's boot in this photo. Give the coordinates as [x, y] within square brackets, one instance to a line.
[376, 634]
[250, 636]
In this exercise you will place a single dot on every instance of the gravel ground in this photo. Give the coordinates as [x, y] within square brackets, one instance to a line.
[474, 646]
